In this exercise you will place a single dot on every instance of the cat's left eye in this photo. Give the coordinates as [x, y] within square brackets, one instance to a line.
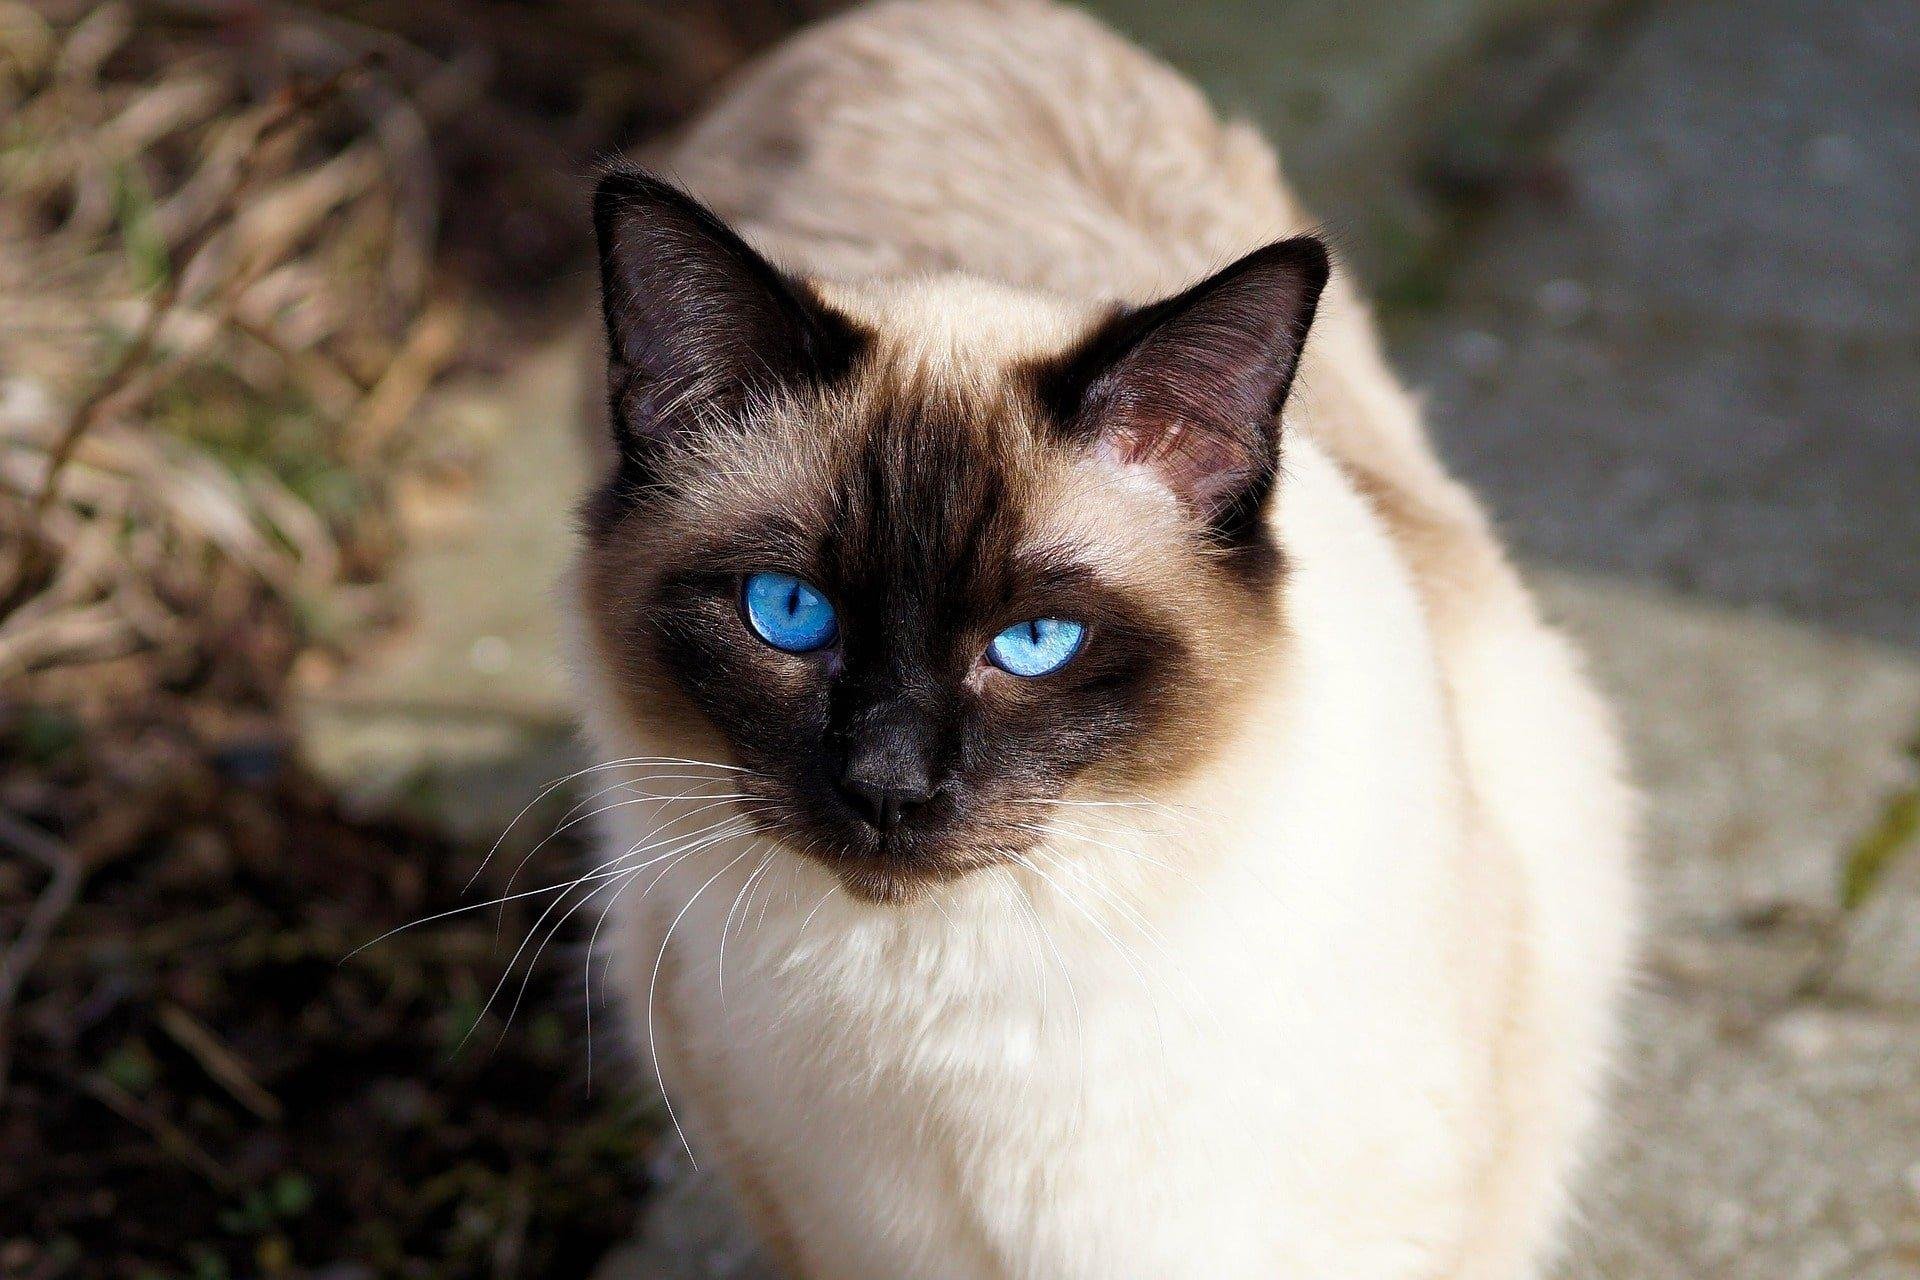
[1037, 647]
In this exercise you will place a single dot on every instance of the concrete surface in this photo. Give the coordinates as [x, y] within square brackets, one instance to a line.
[1344, 91]
[1768, 1114]
[1688, 348]
[463, 714]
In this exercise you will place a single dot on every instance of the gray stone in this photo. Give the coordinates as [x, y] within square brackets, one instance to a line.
[1344, 90]
[1765, 748]
[1689, 349]
[1767, 1119]
[1336, 85]
[1755, 1144]
[1774, 468]
[1742, 163]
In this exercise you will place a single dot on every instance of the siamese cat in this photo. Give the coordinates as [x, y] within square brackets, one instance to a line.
[1084, 793]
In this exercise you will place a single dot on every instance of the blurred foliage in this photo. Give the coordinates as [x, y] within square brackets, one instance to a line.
[1895, 832]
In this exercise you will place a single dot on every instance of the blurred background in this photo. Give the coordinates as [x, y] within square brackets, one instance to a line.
[290, 339]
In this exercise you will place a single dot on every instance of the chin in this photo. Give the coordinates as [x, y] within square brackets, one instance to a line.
[899, 868]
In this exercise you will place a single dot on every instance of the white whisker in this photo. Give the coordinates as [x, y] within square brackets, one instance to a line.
[526, 975]
[599, 873]
[712, 803]
[549, 787]
[1126, 953]
[1073, 995]
[574, 812]
[1148, 930]
[801, 932]
[1185, 812]
[721, 969]
[710, 836]
[653, 984]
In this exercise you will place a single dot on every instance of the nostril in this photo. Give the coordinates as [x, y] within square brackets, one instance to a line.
[882, 806]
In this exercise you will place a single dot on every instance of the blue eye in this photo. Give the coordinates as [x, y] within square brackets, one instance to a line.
[787, 613]
[1037, 647]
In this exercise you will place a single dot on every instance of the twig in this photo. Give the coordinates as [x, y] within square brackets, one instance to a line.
[62, 891]
[432, 343]
[218, 1061]
[171, 1137]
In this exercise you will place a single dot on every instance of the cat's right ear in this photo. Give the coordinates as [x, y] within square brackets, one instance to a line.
[697, 321]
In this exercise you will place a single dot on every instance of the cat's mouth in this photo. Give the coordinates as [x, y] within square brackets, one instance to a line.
[896, 869]
[900, 880]
[895, 865]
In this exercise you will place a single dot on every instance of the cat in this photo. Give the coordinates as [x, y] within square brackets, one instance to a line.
[1085, 794]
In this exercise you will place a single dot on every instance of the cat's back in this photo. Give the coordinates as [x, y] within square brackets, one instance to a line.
[1025, 142]
[1014, 139]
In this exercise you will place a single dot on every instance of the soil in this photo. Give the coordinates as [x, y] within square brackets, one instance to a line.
[208, 1079]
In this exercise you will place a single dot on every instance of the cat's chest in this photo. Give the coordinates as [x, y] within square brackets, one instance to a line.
[929, 1021]
[1101, 1131]
[925, 1104]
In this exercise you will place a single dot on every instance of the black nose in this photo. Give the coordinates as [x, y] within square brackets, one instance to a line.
[886, 777]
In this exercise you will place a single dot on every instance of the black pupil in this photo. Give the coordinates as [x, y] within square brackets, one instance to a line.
[1033, 631]
[793, 600]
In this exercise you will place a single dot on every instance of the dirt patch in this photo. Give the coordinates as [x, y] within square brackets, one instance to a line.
[208, 1080]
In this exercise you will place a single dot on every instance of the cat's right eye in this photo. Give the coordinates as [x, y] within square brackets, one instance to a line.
[788, 613]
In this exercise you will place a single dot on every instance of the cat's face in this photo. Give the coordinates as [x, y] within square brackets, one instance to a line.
[921, 573]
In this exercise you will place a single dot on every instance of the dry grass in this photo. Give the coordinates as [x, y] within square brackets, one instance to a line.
[220, 314]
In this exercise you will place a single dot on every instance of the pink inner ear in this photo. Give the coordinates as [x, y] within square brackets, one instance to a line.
[1191, 388]
[1197, 465]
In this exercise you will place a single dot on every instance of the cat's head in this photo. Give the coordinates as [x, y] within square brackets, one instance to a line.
[922, 558]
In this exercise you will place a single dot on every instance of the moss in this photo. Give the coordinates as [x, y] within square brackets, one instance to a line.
[1893, 833]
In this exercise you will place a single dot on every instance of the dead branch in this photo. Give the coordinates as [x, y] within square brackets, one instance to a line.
[62, 891]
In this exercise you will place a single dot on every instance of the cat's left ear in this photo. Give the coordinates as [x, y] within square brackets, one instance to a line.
[697, 320]
[1191, 388]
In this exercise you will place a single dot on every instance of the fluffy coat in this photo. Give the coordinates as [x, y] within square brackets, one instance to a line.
[1337, 1000]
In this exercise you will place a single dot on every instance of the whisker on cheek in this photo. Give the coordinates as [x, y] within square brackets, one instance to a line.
[712, 802]
[727, 923]
[716, 834]
[552, 785]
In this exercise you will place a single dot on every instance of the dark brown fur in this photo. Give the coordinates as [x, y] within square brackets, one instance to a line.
[926, 505]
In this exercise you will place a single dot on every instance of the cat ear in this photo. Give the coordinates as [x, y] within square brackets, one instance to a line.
[1191, 387]
[696, 319]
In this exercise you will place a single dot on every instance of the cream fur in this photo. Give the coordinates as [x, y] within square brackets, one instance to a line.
[1339, 1007]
